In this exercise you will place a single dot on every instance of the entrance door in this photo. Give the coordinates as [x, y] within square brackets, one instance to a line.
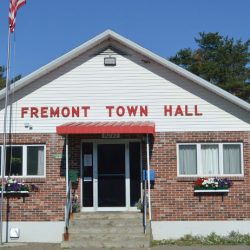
[111, 175]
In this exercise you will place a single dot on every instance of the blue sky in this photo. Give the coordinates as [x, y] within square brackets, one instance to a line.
[46, 29]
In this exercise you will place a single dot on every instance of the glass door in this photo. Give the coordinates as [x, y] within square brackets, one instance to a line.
[111, 175]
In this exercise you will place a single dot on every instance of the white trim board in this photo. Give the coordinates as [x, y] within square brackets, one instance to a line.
[176, 229]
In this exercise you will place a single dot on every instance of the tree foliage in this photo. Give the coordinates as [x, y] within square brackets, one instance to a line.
[221, 60]
[3, 78]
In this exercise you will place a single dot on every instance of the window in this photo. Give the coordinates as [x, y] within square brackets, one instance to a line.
[187, 159]
[210, 159]
[35, 160]
[14, 161]
[25, 160]
[232, 159]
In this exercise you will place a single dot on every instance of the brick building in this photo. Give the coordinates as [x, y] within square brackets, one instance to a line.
[109, 109]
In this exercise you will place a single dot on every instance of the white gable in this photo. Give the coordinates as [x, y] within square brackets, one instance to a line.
[136, 89]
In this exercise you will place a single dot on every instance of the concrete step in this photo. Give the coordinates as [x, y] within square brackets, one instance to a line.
[100, 222]
[110, 229]
[108, 215]
[106, 248]
[107, 230]
[106, 237]
[90, 244]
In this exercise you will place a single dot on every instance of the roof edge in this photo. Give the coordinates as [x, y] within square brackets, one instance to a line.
[111, 34]
[54, 64]
[185, 73]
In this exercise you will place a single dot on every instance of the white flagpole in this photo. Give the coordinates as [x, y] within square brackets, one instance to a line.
[3, 162]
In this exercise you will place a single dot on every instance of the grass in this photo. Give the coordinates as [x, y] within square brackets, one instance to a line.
[233, 238]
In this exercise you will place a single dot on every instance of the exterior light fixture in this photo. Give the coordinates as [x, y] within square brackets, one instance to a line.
[109, 61]
[29, 126]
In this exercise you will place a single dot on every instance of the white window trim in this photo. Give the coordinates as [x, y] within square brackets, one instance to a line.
[199, 168]
[24, 175]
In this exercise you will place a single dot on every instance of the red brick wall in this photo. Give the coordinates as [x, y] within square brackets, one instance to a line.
[173, 198]
[48, 203]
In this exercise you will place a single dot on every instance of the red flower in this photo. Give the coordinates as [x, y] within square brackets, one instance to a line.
[199, 181]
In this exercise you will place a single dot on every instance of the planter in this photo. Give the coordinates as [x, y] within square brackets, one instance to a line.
[221, 192]
[211, 190]
[212, 185]
[16, 192]
[76, 208]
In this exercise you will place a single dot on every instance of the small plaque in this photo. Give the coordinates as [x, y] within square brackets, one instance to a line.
[57, 156]
[110, 136]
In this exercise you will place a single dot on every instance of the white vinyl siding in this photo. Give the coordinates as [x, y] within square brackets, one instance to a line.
[85, 81]
[25, 160]
[210, 159]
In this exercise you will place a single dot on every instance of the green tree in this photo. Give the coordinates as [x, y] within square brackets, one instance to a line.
[3, 78]
[221, 60]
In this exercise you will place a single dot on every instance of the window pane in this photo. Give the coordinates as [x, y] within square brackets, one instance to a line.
[231, 159]
[187, 159]
[87, 186]
[135, 172]
[14, 160]
[210, 159]
[35, 160]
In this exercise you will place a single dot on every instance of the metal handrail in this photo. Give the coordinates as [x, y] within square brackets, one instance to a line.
[145, 205]
[68, 205]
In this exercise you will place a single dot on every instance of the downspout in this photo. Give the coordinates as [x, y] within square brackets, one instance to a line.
[148, 177]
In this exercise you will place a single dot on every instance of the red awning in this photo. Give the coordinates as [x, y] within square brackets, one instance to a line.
[106, 128]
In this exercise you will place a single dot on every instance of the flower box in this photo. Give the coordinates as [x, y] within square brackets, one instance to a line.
[212, 184]
[13, 186]
[15, 192]
[211, 190]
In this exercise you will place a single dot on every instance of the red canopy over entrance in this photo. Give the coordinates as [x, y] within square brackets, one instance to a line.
[106, 128]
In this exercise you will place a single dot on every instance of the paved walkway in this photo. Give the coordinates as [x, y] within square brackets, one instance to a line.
[24, 246]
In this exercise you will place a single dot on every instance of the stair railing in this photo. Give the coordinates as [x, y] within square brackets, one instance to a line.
[68, 206]
[145, 205]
